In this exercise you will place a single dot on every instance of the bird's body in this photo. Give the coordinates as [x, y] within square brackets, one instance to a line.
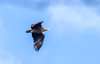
[37, 34]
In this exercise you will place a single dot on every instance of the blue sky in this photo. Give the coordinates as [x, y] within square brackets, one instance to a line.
[73, 38]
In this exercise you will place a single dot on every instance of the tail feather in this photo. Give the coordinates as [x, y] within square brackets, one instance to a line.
[37, 45]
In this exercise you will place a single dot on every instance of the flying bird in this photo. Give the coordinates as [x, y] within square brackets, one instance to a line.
[38, 36]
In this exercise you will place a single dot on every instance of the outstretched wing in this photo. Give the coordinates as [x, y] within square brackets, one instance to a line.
[38, 40]
[36, 25]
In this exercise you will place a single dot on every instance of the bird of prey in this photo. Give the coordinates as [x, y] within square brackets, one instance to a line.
[38, 36]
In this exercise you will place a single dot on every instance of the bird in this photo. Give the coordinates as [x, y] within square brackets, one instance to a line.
[38, 36]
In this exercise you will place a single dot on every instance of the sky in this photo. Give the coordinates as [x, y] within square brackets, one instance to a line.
[73, 38]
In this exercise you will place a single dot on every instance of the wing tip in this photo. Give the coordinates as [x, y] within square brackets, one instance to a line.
[41, 21]
[36, 50]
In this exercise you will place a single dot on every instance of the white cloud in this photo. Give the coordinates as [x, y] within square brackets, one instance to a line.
[77, 18]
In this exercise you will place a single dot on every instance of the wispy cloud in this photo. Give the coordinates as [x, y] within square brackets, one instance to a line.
[77, 18]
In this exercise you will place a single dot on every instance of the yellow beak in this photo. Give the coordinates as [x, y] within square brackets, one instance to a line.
[47, 29]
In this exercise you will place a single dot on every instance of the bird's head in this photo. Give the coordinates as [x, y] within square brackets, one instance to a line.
[45, 29]
[29, 31]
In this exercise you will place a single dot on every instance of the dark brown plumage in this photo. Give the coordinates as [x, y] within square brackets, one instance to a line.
[38, 36]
